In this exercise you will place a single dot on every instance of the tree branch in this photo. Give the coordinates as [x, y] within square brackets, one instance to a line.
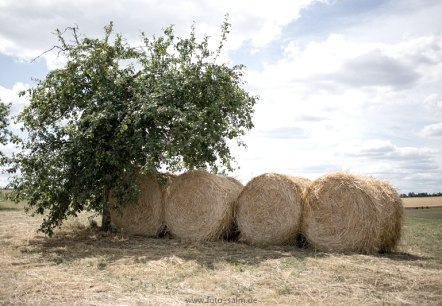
[60, 34]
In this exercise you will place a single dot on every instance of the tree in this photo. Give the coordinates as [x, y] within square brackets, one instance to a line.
[6, 135]
[115, 110]
[4, 113]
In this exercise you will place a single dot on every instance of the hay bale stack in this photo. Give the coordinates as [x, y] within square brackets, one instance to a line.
[146, 216]
[349, 213]
[199, 206]
[269, 208]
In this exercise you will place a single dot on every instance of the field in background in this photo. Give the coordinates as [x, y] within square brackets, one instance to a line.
[422, 202]
[82, 266]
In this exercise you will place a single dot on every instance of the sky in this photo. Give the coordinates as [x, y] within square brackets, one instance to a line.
[343, 85]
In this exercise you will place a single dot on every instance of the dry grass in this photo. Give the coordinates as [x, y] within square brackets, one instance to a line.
[81, 266]
[422, 202]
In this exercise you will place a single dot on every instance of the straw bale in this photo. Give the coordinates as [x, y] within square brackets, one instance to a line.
[269, 208]
[199, 206]
[392, 215]
[350, 213]
[145, 217]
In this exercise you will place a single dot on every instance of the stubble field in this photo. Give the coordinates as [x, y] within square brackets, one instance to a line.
[82, 266]
[423, 202]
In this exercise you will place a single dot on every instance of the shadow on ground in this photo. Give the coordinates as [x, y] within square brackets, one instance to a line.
[91, 242]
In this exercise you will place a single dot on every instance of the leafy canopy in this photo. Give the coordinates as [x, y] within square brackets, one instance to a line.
[114, 110]
[6, 135]
[4, 113]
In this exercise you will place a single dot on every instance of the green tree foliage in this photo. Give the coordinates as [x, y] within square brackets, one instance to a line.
[6, 135]
[4, 113]
[115, 110]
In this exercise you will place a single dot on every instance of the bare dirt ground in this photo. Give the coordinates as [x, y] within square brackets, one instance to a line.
[82, 266]
[423, 202]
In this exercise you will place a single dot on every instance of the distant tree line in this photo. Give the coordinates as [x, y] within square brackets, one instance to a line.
[420, 194]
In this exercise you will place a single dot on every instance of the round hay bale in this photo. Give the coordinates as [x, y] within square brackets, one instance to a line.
[392, 215]
[268, 210]
[146, 216]
[348, 213]
[234, 180]
[199, 206]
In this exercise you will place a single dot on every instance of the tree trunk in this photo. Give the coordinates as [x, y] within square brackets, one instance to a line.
[106, 217]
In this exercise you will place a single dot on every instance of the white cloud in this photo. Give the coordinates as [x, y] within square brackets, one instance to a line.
[11, 96]
[432, 130]
[433, 103]
[398, 20]
[337, 64]
[342, 104]
[17, 103]
[376, 69]
[255, 23]
[387, 151]
[363, 96]
[261, 21]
